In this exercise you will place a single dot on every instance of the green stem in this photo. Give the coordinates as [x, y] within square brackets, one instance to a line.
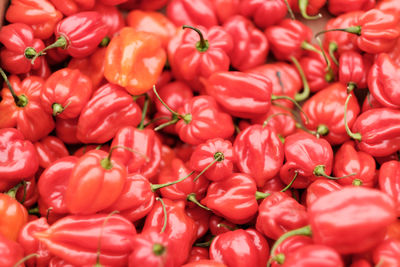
[158, 249]
[101, 235]
[202, 45]
[289, 10]
[354, 30]
[306, 91]
[144, 112]
[356, 136]
[24, 259]
[60, 42]
[322, 129]
[303, 10]
[277, 97]
[164, 104]
[218, 157]
[351, 86]
[34, 210]
[357, 182]
[57, 109]
[333, 47]
[165, 214]
[192, 198]
[30, 52]
[328, 68]
[20, 101]
[320, 171]
[155, 120]
[261, 195]
[204, 244]
[166, 124]
[296, 173]
[105, 41]
[154, 187]
[274, 115]
[300, 126]
[307, 46]
[106, 162]
[278, 75]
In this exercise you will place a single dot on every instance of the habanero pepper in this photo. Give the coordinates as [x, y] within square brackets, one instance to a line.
[27, 194]
[11, 252]
[308, 7]
[109, 109]
[50, 149]
[353, 69]
[219, 225]
[318, 188]
[337, 7]
[66, 130]
[370, 103]
[127, 57]
[389, 181]
[20, 45]
[200, 217]
[204, 263]
[41, 15]
[226, 9]
[70, 7]
[112, 18]
[287, 247]
[148, 5]
[198, 253]
[278, 118]
[111, 235]
[386, 254]
[392, 5]
[313, 255]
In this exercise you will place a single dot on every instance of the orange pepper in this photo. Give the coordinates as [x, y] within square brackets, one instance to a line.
[134, 60]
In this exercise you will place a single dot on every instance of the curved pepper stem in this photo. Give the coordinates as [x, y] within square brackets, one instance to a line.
[356, 136]
[261, 195]
[277, 97]
[332, 48]
[218, 157]
[322, 129]
[192, 198]
[357, 182]
[30, 52]
[101, 234]
[202, 45]
[303, 10]
[26, 258]
[165, 214]
[144, 111]
[329, 75]
[289, 10]
[154, 187]
[305, 230]
[350, 87]
[105, 41]
[21, 101]
[204, 244]
[353, 29]
[296, 173]
[320, 171]
[106, 162]
[306, 91]
[60, 42]
[274, 115]
[13, 191]
[309, 47]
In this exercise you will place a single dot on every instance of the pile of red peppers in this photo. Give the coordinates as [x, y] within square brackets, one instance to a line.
[200, 133]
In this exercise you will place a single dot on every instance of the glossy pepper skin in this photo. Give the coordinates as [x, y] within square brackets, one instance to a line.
[279, 213]
[81, 33]
[244, 95]
[193, 58]
[50, 149]
[33, 245]
[379, 131]
[353, 69]
[64, 239]
[146, 159]
[203, 120]
[278, 118]
[109, 109]
[201, 217]
[204, 263]
[18, 158]
[66, 92]
[337, 7]
[233, 198]
[240, 248]
[13, 216]
[126, 60]
[136, 199]
[264, 13]
[287, 38]
[71, 7]
[305, 154]
[218, 150]
[95, 183]
[389, 181]
[341, 218]
[184, 12]
[320, 187]
[313, 256]
[41, 15]
[250, 45]
[226, 9]
[348, 161]
[383, 80]
[325, 111]
[66, 130]
[258, 151]
[289, 246]
[27, 115]
[180, 230]
[18, 40]
[308, 8]
[11, 252]
[53, 184]
[387, 253]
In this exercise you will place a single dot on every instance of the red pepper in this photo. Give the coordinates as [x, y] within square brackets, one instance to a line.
[309, 156]
[43, 71]
[325, 111]
[389, 181]
[20, 46]
[136, 199]
[386, 254]
[389, 5]
[216, 156]
[219, 225]
[370, 103]
[27, 194]
[109, 109]
[200, 217]
[53, 184]
[86, 148]
[91, 66]
[11, 252]
[21, 108]
[233, 198]
[13, 215]
[112, 18]
[279, 213]
[197, 254]
[226, 9]
[284, 78]
[66, 92]
[337, 7]
[50, 149]
[288, 39]
[264, 13]
[320, 188]
[33, 245]
[353, 69]
[186, 12]
[348, 161]
[279, 119]
[313, 256]
[275, 184]
[95, 183]
[240, 248]
[383, 80]
[18, 158]
[77, 239]
[377, 131]
[39, 14]
[152, 22]
[180, 228]
[308, 7]
[66, 130]
[258, 151]
[195, 57]
[250, 46]
[151, 248]
[149, 5]
[204, 263]
[289, 246]
[70, 7]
